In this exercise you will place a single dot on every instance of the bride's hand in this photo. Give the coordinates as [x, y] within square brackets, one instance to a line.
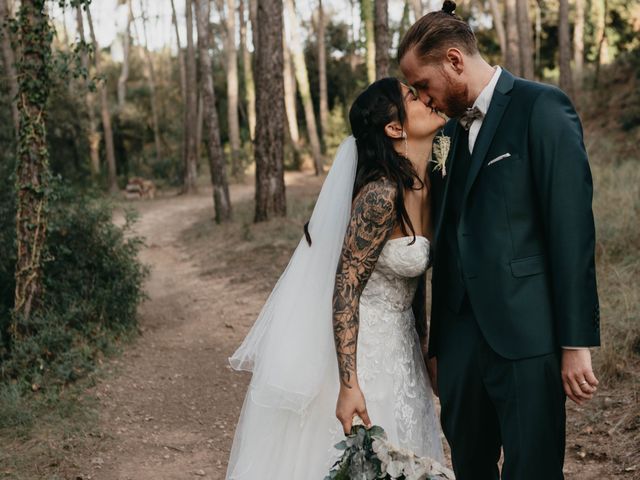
[350, 403]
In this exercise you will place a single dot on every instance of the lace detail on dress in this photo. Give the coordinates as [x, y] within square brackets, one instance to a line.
[390, 367]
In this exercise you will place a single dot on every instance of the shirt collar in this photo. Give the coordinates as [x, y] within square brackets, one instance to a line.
[484, 99]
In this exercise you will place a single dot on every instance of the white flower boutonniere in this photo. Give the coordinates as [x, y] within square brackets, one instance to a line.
[441, 146]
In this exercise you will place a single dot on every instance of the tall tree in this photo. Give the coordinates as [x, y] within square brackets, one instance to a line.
[417, 8]
[233, 90]
[8, 60]
[191, 108]
[221, 202]
[290, 91]
[150, 73]
[247, 69]
[322, 72]
[525, 38]
[382, 38]
[566, 82]
[367, 14]
[302, 78]
[94, 134]
[602, 44]
[106, 114]
[181, 60]
[578, 40]
[498, 23]
[512, 55]
[126, 47]
[32, 170]
[269, 145]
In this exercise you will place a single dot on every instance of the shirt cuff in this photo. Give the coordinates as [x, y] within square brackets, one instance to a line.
[575, 348]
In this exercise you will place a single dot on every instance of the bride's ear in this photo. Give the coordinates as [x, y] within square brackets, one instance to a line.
[394, 130]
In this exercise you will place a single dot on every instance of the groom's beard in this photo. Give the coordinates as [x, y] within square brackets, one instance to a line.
[456, 100]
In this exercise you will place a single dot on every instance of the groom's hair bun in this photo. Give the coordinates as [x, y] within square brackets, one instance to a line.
[436, 32]
[449, 7]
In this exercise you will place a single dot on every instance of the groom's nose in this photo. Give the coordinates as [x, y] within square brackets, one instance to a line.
[426, 99]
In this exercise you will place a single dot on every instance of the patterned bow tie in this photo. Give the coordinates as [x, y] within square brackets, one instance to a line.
[469, 116]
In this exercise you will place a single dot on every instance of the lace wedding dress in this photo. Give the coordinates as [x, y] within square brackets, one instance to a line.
[281, 445]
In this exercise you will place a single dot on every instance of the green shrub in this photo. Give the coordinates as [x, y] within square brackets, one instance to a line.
[93, 285]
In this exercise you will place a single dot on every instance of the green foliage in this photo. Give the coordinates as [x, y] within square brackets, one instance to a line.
[93, 284]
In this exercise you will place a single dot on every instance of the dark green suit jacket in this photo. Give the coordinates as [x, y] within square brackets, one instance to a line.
[526, 232]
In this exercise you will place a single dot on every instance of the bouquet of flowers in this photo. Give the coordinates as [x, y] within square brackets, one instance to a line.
[368, 455]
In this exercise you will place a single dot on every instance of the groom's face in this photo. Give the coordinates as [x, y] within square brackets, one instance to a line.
[437, 84]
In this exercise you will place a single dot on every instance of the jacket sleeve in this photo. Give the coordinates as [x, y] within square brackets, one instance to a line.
[564, 188]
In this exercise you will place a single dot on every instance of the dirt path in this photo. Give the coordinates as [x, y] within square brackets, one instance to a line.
[169, 410]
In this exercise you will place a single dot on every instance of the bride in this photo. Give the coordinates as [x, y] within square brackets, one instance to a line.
[339, 323]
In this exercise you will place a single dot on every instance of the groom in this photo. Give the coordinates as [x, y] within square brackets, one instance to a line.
[515, 304]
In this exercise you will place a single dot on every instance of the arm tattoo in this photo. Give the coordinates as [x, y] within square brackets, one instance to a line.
[372, 221]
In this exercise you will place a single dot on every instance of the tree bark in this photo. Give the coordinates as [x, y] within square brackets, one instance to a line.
[221, 202]
[126, 47]
[289, 80]
[578, 41]
[32, 170]
[106, 115]
[94, 134]
[417, 8]
[382, 38]
[525, 41]
[498, 23]
[191, 107]
[302, 78]
[181, 62]
[9, 62]
[602, 47]
[269, 145]
[322, 74]
[247, 68]
[566, 82]
[151, 79]
[367, 14]
[512, 56]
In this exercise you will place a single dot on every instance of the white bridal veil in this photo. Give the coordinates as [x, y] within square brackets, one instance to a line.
[290, 346]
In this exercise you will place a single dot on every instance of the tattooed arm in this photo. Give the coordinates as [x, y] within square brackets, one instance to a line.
[372, 221]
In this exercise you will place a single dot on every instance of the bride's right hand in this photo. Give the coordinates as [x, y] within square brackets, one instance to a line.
[350, 403]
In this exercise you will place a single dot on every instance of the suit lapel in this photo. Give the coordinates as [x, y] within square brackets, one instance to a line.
[498, 105]
[452, 155]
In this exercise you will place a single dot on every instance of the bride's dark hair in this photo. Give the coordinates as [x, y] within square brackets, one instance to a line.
[380, 104]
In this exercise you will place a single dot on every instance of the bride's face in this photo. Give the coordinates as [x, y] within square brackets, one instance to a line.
[421, 121]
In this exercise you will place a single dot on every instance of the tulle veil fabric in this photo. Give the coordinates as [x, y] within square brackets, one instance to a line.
[290, 347]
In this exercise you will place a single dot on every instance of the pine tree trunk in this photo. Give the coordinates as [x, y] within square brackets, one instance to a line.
[382, 38]
[106, 115]
[367, 14]
[417, 8]
[221, 202]
[32, 169]
[124, 72]
[602, 46]
[578, 41]
[9, 63]
[247, 68]
[233, 92]
[94, 134]
[525, 40]
[512, 57]
[181, 62]
[302, 78]
[289, 80]
[566, 82]
[270, 122]
[498, 23]
[191, 107]
[322, 75]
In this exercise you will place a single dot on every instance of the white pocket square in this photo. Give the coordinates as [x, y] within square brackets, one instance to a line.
[497, 159]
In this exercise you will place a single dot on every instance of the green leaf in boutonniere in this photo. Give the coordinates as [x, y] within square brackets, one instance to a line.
[441, 146]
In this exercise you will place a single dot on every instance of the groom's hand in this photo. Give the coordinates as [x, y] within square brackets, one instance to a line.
[577, 375]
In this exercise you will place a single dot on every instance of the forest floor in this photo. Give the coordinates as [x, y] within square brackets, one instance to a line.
[167, 407]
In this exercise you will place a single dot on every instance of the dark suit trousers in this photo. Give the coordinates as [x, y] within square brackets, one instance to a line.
[489, 401]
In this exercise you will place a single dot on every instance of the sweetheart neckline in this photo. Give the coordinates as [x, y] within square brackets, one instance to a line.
[409, 236]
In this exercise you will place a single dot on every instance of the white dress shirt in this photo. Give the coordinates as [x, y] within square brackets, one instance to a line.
[482, 102]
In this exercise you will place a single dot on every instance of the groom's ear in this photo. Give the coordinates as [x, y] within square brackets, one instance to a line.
[455, 59]
[393, 130]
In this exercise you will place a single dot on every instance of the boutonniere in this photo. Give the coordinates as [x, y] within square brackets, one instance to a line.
[441, 146]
